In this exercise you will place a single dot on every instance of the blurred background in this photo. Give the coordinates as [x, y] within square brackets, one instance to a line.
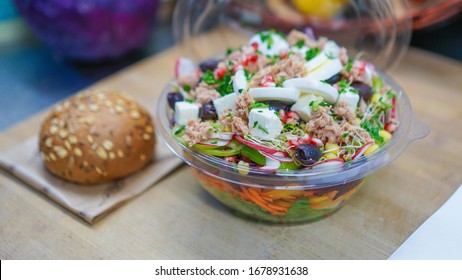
[49, 49]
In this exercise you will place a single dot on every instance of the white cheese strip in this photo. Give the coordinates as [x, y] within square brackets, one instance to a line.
[308, 85]
[277, 46]
[350, 97]
[240, 81]
[286, 95]
[302, 106]
[264, 123]
[328, 69]
[185, 111]
[226, 102]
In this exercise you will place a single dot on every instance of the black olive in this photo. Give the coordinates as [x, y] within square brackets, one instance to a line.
[332, 80]
[277, 106]
[365, 91]
[173, 97]
[208, 112]
[307, 154]
[209, 64]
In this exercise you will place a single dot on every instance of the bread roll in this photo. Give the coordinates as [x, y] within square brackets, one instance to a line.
[96, 137]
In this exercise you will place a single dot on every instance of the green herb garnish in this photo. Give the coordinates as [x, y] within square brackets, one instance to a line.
[258, 105]
[300, 44]
[349, 65]
[181, 129]
[187, 88]
[311, 53]
[262, 129]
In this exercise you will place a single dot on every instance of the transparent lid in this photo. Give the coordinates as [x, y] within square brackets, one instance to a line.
[378, 30]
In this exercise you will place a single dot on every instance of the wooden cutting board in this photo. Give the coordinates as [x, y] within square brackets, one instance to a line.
[176, 219]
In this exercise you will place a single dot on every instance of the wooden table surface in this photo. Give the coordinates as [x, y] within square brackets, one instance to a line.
[176, 219]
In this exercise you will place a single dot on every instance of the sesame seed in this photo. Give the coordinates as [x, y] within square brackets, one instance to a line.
[54, 121]
[143, 157]
[73, 139]
[52, 156]
[53, 129]
[112, 111]
[101, 153]
[63, 133]
[49, 142]
[93, 107]
[120, 153]
[85, 163]
[149, 129]
[77, 152]
[98, 170]
[59, 108]
[119, 109]
[135, 114]
[101, 95]
[90, 139]
[94, 146]
[67, 104]
[81, 107]
[67, 145]
[108, 103]
[61, 152]
[112, 155]
[146, 136]
[108, 145]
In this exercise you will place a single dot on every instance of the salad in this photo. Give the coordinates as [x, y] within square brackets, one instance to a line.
[282, 103]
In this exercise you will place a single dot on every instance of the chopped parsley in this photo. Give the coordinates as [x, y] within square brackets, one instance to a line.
[187, 88]
[277, 114]
[344, 135]
[315, 104]
[229, 51]
[240, 90]
[208, 77]
[258, 105]
[189, 100]
[311, 53]
[343, 85]
[181, 129]
[349, 65]
[266, 37]
[300, 43]
[224, 85]
[257, 125]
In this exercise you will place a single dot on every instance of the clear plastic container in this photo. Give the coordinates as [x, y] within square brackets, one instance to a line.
[291, 196]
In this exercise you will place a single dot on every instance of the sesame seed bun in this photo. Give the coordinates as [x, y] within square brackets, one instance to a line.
[96, 137]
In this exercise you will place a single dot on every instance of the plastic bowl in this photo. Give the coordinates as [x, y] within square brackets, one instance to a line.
[291, 197]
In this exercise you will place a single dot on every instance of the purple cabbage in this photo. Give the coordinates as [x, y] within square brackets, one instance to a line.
[90, 30]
